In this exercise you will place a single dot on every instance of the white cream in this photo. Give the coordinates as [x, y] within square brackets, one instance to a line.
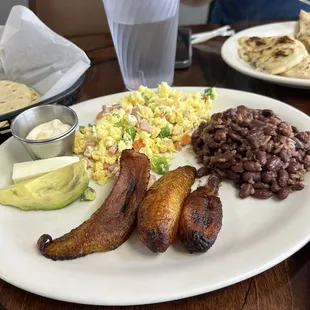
[48, 130]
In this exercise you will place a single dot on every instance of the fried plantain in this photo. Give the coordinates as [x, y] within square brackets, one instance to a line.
[112, 224]
[201, 217]
[160, 210]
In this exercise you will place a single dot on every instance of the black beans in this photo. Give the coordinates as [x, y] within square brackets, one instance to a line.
[261, 157]
[268, 176]
[295, 129]
[303, 137]
[223, 157]
[273, 163]
[275, 187]
[259, 152]
[249, 155]
[262, 193]
[252, 166]
[220, 135]
[283, 177]
[299, 144]
[234, 136]
[230, 175]
[202, 172]
[307, 161]
[237, 183]
[283, 193]
[224, 165]
[238, 167]
[269, 131]
[267, 113]
[284, 156]
[251, 177]
[293, 167]
[297, 187]
[226, 147]
[213, 145]
[285, 129]
[246, 190]
[261, 185]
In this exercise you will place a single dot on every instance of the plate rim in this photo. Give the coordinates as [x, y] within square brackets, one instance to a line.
[249, 71]
[189, 292]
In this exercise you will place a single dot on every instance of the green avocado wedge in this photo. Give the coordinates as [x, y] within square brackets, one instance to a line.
[51, 191]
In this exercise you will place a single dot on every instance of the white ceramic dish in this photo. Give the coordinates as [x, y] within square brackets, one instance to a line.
[230, 54]
[255, 236]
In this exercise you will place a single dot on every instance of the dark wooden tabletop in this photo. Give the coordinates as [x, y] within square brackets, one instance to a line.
[287, 285]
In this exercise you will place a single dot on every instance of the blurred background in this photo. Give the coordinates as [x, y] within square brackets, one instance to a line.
[187, 16]
[85, 23]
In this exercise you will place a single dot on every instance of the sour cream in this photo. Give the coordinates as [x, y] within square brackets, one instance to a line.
[48, 130]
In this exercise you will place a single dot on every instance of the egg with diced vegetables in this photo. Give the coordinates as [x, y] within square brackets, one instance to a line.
[155, 123]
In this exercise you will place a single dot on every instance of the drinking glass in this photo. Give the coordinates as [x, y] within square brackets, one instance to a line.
[144, 33]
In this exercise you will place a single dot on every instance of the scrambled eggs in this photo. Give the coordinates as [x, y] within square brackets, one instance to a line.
[156, 123]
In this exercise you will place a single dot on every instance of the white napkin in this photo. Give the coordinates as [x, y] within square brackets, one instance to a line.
[33, 54]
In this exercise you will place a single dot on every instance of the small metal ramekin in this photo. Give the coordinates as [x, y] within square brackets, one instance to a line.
[57, 146]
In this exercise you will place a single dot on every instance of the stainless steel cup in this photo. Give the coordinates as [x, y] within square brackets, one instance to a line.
[45, 148]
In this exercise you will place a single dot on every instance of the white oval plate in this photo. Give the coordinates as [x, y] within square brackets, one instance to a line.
[231, 56]
[1, 30]
[255, 236]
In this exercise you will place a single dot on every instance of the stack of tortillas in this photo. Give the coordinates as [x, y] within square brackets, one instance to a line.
[274, 55]
[283, 55]
[15, 96]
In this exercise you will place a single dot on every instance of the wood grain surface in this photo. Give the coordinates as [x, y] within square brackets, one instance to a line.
[287, 285]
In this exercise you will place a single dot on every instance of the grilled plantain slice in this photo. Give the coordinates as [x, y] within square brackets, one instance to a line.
[160, 210]
[112, 224]
[201, 217]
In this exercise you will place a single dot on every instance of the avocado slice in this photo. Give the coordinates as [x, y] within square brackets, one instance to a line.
[51, 191]
[89, 194]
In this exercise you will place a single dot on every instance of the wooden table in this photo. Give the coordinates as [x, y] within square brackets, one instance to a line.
[287, 285]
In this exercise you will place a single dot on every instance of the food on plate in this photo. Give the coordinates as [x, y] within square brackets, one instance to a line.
[249, 44]
[48, 130]
[111, 225]
[50, 191]
[32, 169]
[4, 124]
[273, 55]
[89, 194]
[303, 33]
[154, 123]
[160, 210]
[14, 96]
[35, 96]
[201, 217]
[263, 155]
[301, 71]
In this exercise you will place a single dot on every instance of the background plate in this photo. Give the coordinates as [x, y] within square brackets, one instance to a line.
[255, 235]
[231, 56]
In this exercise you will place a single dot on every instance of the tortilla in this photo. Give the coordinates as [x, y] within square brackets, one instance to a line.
[304, 29]
[272, 55]
[35, 96]
[14, 96]
[4, 124]
[248, 44]
[301, 71]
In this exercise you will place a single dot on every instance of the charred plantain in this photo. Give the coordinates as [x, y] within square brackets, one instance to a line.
[160, 210]
[112, 224]
[201, 218]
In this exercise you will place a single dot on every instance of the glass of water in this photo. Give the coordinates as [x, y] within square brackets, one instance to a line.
[144, 33]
